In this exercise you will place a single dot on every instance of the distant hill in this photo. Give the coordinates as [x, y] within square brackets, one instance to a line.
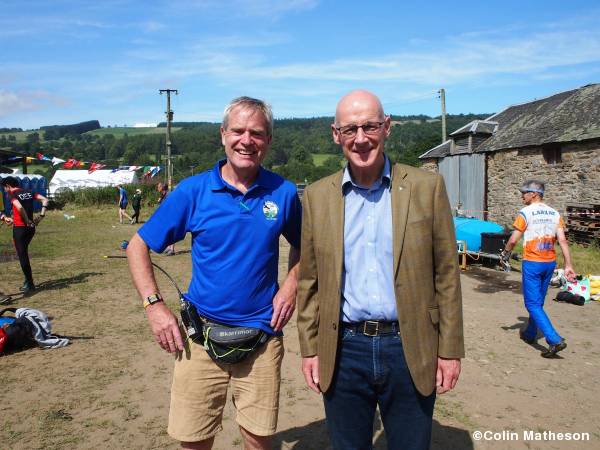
[302, 148]
[54, 132]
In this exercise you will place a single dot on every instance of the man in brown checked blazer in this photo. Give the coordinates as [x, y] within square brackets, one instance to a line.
[379, 300]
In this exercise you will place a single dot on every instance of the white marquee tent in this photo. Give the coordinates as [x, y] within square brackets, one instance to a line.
[77, 179]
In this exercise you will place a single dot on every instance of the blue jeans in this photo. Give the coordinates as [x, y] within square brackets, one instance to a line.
[536, 278]
[372, 371]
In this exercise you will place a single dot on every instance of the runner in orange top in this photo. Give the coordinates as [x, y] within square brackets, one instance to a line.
[541, 226]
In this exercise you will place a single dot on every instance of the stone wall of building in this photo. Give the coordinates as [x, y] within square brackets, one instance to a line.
[430, 165]
[576, 179]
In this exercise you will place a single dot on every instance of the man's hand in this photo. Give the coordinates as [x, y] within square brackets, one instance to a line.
[284, 304]
[310, 369]
[447, 374]
[504, 260]
[37, 220]
[165, 327]
[570, 273]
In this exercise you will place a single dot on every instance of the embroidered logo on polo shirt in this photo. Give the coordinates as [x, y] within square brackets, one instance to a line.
[270, 210]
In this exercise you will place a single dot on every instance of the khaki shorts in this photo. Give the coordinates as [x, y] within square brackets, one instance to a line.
[199, 392]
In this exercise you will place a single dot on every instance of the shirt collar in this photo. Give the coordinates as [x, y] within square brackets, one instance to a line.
[385, 177]
[264, 178]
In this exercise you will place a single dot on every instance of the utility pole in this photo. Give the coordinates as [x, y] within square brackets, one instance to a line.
[442, 93]
[169, 114]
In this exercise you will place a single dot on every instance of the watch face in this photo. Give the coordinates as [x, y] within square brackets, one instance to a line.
[151, 299]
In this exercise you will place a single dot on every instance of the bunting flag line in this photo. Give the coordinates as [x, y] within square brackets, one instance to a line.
[95, 166]
[43, 157]
[72, 163]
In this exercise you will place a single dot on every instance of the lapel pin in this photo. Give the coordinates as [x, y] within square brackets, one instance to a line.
[400, 188]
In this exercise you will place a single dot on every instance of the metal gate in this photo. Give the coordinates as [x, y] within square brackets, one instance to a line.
[465, 182]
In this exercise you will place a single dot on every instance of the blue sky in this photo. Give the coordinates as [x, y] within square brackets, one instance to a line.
[68, 61]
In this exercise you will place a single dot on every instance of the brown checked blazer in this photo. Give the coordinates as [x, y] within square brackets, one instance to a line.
[427, 284]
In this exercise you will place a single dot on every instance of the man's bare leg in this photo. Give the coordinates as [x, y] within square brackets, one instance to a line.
[206, 444]
[254, 442]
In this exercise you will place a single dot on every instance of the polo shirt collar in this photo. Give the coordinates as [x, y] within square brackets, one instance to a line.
[385, 178]
[264, 178]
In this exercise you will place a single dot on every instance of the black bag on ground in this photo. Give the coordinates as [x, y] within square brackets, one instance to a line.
[224, 343]
[19, 333]
[569, 297]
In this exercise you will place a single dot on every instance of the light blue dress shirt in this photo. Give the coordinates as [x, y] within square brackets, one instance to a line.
[367, 279]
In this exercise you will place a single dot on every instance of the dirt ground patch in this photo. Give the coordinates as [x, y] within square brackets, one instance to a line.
[110, 387]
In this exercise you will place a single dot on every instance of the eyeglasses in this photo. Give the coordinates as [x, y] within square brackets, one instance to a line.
[369, 128]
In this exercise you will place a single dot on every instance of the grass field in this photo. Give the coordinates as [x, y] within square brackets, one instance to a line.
[320, 158]
[110, 387]
[21, 136]
[130, 131]
[117, 132]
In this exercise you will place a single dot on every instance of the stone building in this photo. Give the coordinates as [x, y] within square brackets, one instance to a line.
[555, 139]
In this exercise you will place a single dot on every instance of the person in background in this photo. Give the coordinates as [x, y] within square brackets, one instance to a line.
[3, 220]
[541, 227]
[136, 203]
[163, 190]
[123, 201]
[379, 299]
[24, 224]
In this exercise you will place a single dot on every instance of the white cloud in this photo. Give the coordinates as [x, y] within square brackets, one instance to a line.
[13, 102]
[152, 26]
[460, 60]
[272, 9]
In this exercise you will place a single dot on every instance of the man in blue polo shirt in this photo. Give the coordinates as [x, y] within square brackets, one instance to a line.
[235, 213]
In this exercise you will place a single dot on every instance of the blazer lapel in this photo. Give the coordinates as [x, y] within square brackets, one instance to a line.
[337, 211]
[401, 188]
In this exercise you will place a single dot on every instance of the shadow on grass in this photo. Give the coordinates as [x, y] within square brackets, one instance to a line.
[60, 283]
[521, 325]
[493, 281]
[314, 435]
[51, 285]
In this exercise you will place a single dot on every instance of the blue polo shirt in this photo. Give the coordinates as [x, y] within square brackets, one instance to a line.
[235, 242]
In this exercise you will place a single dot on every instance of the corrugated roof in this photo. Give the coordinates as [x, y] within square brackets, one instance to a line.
[477, 127]
[565, 117]
[438, 152]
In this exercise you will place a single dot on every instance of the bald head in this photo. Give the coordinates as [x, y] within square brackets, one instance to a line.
[354, 101]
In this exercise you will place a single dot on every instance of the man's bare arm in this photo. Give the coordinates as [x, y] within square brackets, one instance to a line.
[564, 246]
[162, 321]
[284, 302]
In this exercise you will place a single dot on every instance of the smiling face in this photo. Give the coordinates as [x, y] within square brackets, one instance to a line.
[364, 150]
[246, 140]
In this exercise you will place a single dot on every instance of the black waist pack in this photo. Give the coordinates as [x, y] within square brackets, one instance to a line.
[569, 297]
[224, 343]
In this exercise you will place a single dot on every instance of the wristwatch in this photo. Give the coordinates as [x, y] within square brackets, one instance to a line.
[152, 299]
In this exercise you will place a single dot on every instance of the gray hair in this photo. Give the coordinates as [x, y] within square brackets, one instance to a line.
[534, 186]
[250, 103]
